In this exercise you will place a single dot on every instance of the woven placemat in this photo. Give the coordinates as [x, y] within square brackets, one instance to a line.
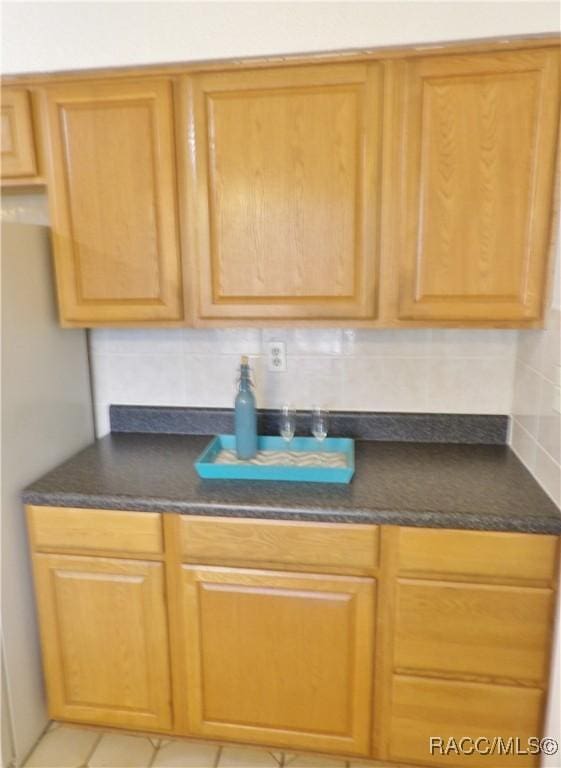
[285, 459]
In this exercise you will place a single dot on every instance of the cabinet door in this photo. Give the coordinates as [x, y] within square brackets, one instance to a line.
[104, 640]
[279, 658]
[285, 180]
[113, 202]
[18, 150]
[479, 138]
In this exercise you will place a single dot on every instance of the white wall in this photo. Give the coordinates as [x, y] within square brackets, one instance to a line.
[46, 417]
[50, 36]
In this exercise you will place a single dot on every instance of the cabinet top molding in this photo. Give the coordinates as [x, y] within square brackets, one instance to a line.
[513, 42]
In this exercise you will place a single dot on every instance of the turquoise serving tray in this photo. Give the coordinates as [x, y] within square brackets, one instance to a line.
[302, 460]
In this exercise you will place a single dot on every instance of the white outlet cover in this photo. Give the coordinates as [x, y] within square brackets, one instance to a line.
[276, 356]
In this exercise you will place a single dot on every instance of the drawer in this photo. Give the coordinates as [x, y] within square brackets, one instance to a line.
[499, 632]
[321, 546]
[445, 708]
[69, 528]
[487, 554]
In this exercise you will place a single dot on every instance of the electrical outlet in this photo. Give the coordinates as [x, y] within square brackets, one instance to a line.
[276, 358]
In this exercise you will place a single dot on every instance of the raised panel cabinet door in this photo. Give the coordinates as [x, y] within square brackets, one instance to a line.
[285, 179]
[16, 142]
[112, 190]
[104, 640]
[479, 138]
[279, 658]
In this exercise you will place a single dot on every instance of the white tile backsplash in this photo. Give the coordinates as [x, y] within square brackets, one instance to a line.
[387, 384]
[524, 445]
[499, 345]
[548, 474]
[127, 341]
[536, 428]
[456, 371]
[470, 385]
[526, 397]
[223, 341]
[549, 421]
[387, 343]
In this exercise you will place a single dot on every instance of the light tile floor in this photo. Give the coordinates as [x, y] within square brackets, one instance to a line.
[68, 746]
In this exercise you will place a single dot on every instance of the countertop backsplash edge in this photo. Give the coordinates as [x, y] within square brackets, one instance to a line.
[468, 428]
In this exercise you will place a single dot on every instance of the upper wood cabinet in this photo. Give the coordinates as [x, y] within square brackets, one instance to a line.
[113, 201]
[478, 161]
[285, 183]
[382, 189]
[19, 160]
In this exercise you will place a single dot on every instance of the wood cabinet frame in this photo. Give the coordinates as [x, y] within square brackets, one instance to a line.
[387, 297]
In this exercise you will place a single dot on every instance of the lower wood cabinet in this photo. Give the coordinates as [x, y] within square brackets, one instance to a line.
[471, 615]
[105, 641]
[279, 658]
[353, 640]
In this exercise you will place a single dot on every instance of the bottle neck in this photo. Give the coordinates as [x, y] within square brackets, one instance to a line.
[245, 380]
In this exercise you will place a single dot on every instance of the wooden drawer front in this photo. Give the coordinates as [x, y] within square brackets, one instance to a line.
[520, 556]
[67, 528]
[326, 546]
[473, 629]
[444, 708]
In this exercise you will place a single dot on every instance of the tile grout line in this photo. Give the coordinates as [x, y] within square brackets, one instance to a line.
[93, 749]
[218, 756]
[43, 733]
[534, 439]
[155, 752]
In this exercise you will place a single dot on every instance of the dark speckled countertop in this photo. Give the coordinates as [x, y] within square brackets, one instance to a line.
[419, 484]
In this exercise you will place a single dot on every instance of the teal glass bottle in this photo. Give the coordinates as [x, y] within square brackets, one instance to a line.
[245, 416]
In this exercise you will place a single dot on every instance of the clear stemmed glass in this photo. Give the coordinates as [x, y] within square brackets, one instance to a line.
[320, 422]
[287, 423]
